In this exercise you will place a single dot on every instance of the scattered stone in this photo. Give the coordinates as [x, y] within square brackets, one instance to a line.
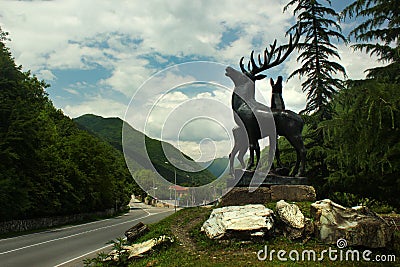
[358, 226]
[136, 231]
[137, 250]
[290, 214]
[294, 224]
[239, 222]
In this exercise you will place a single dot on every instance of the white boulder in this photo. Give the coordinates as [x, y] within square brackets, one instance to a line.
[239, 221]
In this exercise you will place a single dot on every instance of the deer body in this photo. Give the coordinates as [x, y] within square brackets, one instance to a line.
[254, 115]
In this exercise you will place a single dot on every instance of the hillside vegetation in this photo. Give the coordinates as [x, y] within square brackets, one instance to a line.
[110, 130]
[48, 166]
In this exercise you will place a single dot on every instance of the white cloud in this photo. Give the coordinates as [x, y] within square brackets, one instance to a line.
[96, 105]
[205, 151]
[46, 75]
[71, 91]
[356, 62]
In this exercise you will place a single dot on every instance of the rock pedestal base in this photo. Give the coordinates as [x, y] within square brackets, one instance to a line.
[242, 178]
[268, 193]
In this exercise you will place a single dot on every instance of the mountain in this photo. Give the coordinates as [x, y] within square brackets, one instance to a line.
[218, 166]
[110, 130]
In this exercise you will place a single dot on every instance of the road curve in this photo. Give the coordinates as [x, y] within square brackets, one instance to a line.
[66, 245]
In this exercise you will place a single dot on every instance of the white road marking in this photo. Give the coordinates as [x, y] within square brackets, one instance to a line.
[65, 237]
[84, 255]
[61, 228]
[51, 230]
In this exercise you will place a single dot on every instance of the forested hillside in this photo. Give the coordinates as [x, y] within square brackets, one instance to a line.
[110, 129]
[47, 165]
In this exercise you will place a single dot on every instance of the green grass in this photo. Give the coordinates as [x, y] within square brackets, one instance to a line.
[193, 248]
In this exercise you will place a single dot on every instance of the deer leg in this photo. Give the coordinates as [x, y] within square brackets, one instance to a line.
[278, 155]
[257, 149]
[241, 156]
[251, 160]
[303, 154]
[296, 167]
[231, 159]
[297, 142]
[233, 153]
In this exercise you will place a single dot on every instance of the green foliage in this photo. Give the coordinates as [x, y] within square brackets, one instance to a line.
[351, 200]
[378, 33]
[103, 259]
[318, 25]
[47, 165]
[358, 160]
[365, 141]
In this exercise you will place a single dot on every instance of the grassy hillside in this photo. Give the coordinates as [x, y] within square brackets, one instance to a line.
[192, 248]
[110, 130]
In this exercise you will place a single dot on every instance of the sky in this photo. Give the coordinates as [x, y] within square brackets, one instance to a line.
[99, 56]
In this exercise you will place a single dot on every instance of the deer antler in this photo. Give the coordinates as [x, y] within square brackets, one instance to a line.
[253, 69]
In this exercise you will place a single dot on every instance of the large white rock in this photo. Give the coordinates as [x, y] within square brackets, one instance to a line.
[249, 220]
[294, 224]
[290, 214]
[358, 226]
[137, 250]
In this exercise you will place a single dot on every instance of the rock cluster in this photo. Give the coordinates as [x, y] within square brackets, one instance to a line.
[331, 222]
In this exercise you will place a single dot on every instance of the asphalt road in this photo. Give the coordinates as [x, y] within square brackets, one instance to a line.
[68, 246]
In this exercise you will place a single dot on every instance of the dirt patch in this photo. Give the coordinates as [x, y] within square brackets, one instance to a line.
[184, 225]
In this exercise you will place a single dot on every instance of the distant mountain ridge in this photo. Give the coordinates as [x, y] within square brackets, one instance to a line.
[218, 166]
[110, 130]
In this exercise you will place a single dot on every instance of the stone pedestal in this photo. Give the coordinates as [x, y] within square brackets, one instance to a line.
[274, 188]
[243, 177]
[272, 193]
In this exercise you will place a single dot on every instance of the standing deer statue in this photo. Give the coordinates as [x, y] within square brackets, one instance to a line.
[255, 116]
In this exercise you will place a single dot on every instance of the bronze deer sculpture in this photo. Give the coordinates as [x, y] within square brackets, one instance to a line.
[252, 113]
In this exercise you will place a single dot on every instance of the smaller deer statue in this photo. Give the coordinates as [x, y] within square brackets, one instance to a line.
[277, 99]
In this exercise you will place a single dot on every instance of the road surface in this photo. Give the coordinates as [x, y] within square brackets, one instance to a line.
[68, 246]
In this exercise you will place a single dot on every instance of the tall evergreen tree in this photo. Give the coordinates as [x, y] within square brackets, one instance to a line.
[378, 34]
[364, 134]
[318, 24]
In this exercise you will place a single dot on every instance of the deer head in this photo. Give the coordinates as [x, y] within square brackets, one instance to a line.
[278, 54]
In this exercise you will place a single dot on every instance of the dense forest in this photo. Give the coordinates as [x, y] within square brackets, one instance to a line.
[47, 165]
[353, 127]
